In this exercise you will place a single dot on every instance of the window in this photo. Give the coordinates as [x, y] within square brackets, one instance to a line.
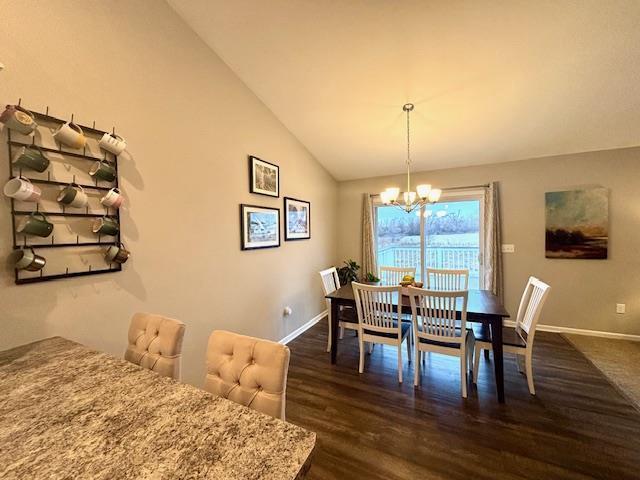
[447, 234]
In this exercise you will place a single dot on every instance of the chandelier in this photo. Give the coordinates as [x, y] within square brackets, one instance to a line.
[424, 194]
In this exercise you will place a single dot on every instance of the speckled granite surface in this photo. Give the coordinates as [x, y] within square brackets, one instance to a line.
[69, 412]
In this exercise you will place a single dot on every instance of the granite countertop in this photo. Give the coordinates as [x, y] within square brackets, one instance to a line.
[68, 412]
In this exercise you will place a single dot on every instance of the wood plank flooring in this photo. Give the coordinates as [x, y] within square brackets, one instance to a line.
[576, 427]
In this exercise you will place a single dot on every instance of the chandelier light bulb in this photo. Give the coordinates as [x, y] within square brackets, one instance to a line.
[409, 197]
[393, 193]
[385, 197]
[434, 195]
[423, 191]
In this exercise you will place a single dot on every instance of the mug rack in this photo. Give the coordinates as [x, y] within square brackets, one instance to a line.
[111, 158]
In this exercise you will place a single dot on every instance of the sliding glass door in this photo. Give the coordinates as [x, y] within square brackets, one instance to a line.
[447, 234]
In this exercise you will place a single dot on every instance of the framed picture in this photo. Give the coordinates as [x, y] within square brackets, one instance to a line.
[577, 223]
[297, 219]
[259, 227]
[264, 177]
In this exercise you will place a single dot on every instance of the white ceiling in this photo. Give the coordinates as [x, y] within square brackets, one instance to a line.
[492, 80]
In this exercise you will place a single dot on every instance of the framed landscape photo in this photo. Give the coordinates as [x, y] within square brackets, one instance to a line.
[259, 227]
[264, 177]
[297, 219]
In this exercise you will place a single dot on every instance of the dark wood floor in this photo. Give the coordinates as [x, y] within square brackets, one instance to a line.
[369, 426]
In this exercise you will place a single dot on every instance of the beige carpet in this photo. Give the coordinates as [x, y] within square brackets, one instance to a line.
[618, 360]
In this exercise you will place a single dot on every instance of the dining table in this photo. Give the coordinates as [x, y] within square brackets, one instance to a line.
[68, 411]
[483, 307]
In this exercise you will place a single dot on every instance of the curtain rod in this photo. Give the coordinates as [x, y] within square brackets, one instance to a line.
[484, 185]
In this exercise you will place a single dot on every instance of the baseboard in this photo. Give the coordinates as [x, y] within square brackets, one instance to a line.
[580, 331]
[300, 330]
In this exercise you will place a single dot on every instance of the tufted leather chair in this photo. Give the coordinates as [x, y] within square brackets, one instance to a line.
[249, 371]
[155, 342]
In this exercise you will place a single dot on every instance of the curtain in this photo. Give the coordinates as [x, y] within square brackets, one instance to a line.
[368, 237]
[492, 255]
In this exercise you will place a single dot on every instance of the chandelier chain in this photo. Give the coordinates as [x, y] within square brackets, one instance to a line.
[408, 140]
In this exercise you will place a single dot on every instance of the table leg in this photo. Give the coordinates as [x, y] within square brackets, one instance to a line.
[335, 310]
[498, 364]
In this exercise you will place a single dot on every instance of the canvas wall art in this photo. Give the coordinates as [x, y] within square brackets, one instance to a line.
[577, 223]
[297, 219]
[259, 227]
[264, 177]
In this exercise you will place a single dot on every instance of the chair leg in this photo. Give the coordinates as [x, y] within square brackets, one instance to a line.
[329, 336]
[341, 333]
[470, 354]
[476, 362]
[529, 367]
[408, 350]
[463, 371]
[370, 348]
[361, 366]
[416, 368]
[400, 363]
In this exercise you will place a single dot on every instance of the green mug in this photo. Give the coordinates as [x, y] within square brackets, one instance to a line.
[103, 171]
[35, 224]
[117, 253]
[31, 157]
[106, 226]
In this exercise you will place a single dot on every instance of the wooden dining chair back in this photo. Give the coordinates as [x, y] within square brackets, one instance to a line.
[378, 308]
[438, 328]
[330, 283]
[447, 279]
[392, 276]
[519, 341]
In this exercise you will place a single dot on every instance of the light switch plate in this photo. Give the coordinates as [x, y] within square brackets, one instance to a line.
[621, 307]
[508, 248]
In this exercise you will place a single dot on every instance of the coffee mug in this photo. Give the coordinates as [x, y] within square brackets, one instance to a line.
[27, 259]
[35, 224]
[31, 157]
[70, 134]
[113, 198]
[117, 253]
[17, 118]
[113, 143]
[105, 226]
[73, 195]
[103, 171]
[22, 189]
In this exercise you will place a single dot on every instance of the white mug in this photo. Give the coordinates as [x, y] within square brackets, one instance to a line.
[113, 198]
[113, 143]
[70, 135]
[22, 189]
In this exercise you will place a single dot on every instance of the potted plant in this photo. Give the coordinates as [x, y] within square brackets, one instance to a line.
[370, 279]
[348, 273]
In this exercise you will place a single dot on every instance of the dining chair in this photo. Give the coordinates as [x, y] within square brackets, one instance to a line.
[519, 340]
[447, 279]
[155, 342]
[392, 276]
[249, 371]
[347, 315]
[377, 320]
[436, 328]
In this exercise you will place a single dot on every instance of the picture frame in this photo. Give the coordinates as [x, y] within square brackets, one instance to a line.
[297, 219]
[264, 177]
[259, 227]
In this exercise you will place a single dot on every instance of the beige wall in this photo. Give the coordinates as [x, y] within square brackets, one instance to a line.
[190, 124]
[584, 291]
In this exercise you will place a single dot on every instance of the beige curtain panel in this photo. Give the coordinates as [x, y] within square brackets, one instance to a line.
[492, 255]
[369, 263]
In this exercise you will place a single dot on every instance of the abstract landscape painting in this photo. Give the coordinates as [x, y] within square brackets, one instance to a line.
[577, 223]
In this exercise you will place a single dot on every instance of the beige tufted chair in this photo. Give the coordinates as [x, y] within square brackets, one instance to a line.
[249, 371]
[155, 342]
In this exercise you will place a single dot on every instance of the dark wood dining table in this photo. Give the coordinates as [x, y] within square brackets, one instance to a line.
[482, 307]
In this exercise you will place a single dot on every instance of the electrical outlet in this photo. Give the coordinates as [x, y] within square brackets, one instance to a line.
[508, 248]
[621, 308]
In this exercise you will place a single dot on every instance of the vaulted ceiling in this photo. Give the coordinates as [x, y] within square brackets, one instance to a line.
[492, 80]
